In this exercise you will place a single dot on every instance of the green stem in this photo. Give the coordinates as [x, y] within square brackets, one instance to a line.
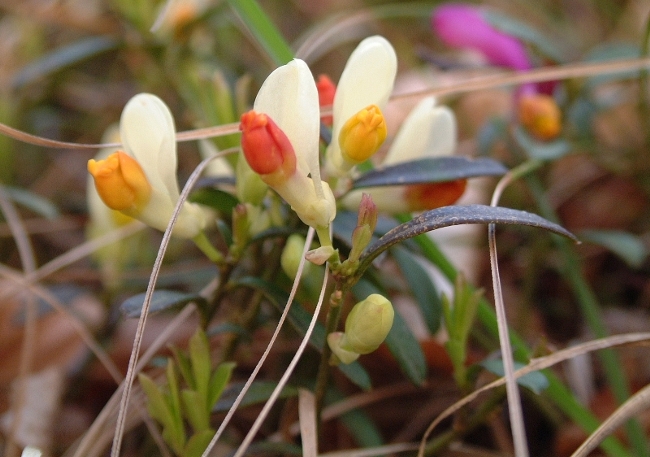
[590, 308]
[202, 242]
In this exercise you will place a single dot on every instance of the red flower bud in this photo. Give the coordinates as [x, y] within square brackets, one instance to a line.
[266, 147]
[326, 91]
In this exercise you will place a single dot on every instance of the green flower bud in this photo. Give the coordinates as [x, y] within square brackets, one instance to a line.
[368, 324]
[335, 341]
[290, 259]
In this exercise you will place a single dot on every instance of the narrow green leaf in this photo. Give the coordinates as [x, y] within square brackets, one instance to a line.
[160, 301]
[215, 198]
[259, 392]
[299, 319]
[627, 246]
[64, 57]
[34, 202]
[201, 365]
[184, 366]
[439, 169]
[422, 287]
[198, 443]
[156, 404]
[407, 351]
[194, 410]
[218, 382]
[263, 30]
[456, 215]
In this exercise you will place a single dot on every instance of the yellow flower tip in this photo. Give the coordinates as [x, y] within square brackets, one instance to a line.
[120, 182]
[423, 197]
[363, 134]
[541, 116]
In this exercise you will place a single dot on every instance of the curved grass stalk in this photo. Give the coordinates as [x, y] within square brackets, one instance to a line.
[537, 364]
[278, 327]
[131, 370]
[637, 403]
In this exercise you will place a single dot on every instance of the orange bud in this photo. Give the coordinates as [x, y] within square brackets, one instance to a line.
[266, 147]
[540, 115]
[120, 182]
[422, 197]
[363, 134]
[326, 91]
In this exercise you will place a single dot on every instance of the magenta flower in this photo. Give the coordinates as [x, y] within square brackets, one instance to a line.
[461, 25]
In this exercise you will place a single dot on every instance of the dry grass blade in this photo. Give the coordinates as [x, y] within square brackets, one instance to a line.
[637, 403]
[374, 451]
[307, 415]
[131, 370]
[537, 364]
[267, 350]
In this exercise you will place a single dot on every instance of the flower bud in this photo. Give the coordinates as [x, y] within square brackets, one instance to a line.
[540, 115]
[120, 182]
[368, 324]
[326, 91]
[292, 254]
[335, 341]
[320, 255]
[266, 147]
[362, 135]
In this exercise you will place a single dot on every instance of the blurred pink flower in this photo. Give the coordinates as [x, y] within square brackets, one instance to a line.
[462, 25]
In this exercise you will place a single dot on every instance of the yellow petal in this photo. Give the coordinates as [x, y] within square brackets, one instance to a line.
[120, 182]
[363, 134]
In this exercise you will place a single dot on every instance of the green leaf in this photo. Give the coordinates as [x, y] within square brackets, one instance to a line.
[627, 246]
[299, 319]
[201, 365]
[215, 198]
[456, 215]
[407, 351]
[541, 150]
[526, 33]
[156, 404]
[259, 392]
[535, 381]
[184, 366]
[422, 287]
[33, 202]
[160, 301]
[432, 170]
[64, 57]
[198, 443]
[218, 382]
[195, 410]
[263, 30]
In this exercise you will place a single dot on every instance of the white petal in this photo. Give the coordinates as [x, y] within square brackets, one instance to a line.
[367, 79]
[428, 131]
[289, 97]
[148, 134]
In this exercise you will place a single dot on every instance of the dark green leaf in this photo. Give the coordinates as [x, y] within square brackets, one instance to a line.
[160, 301]
[63, 57]
[215, 198]
[259, 392]
[300, 318]
[627, 246]
[439, 169]
[541, 150]
[422, 287]
[535, 381]
[456, 215]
